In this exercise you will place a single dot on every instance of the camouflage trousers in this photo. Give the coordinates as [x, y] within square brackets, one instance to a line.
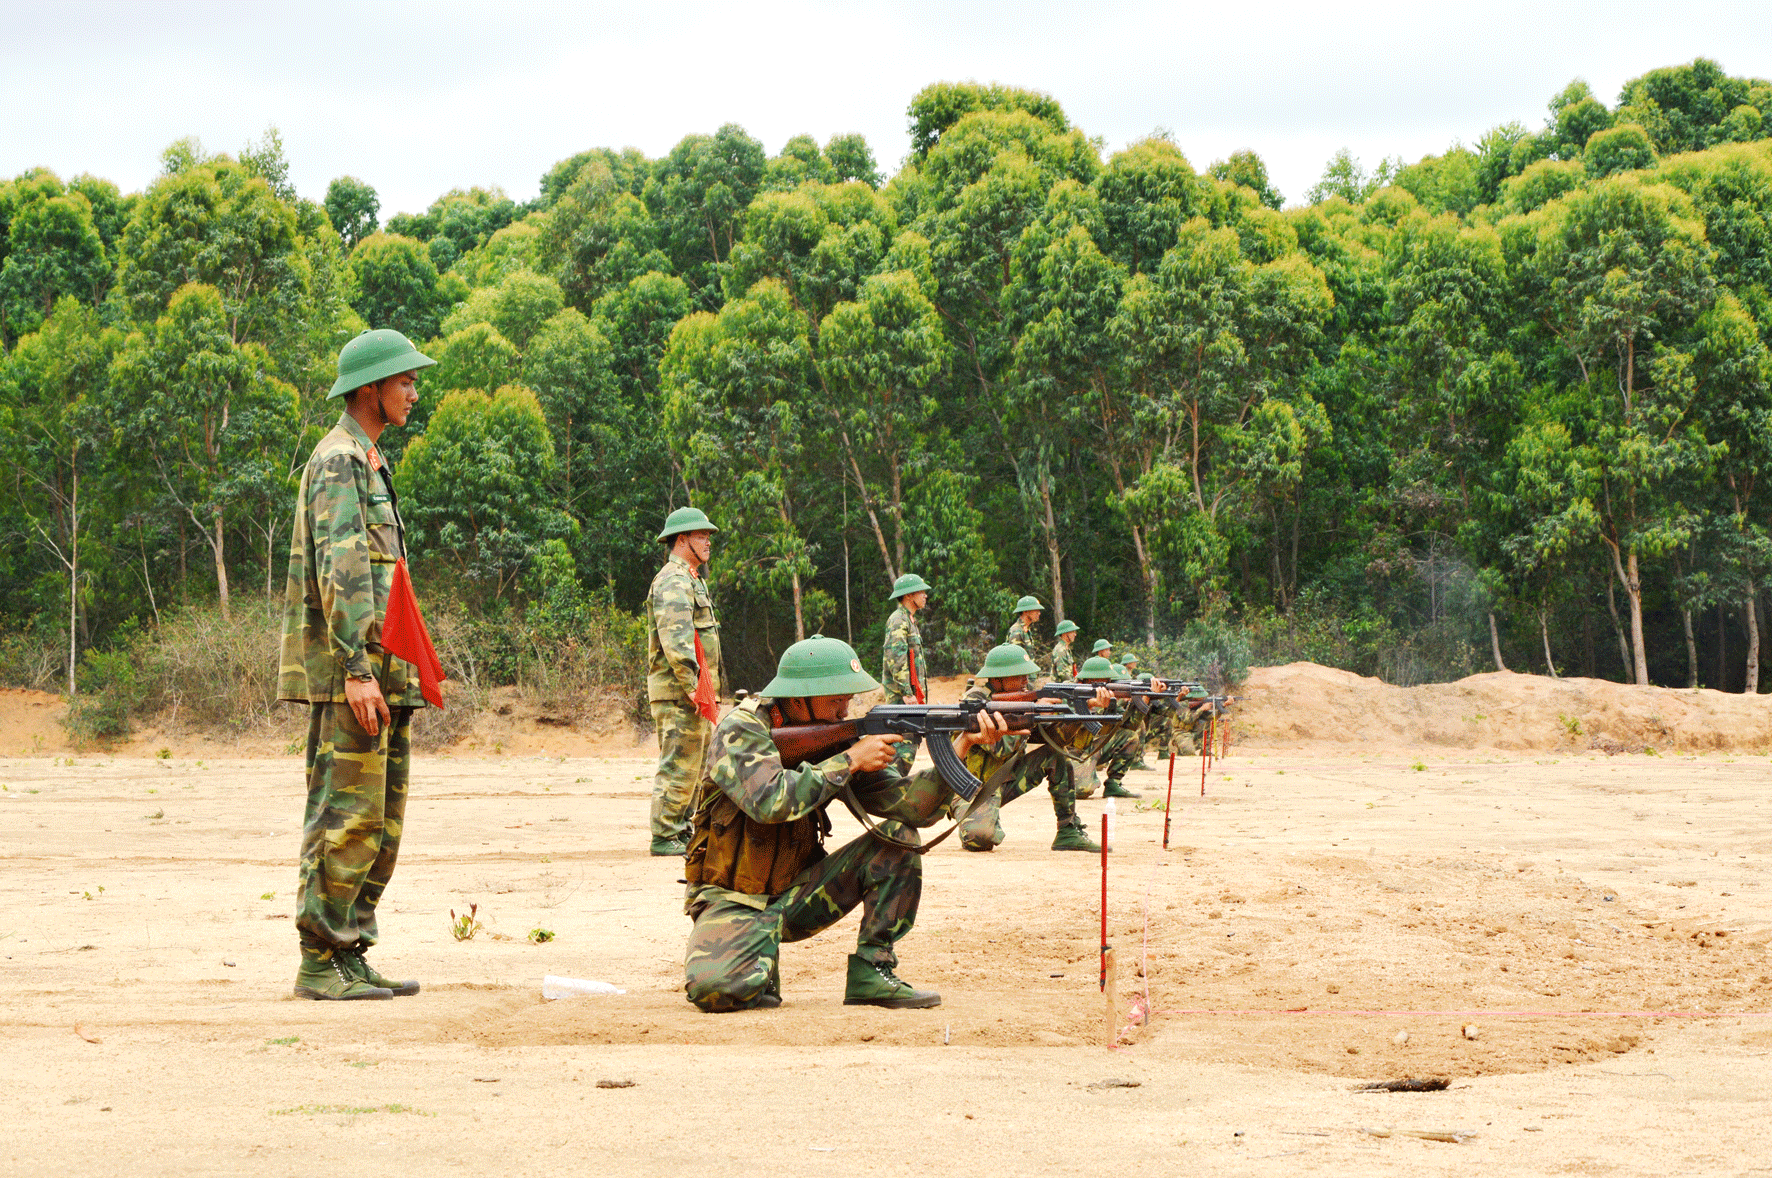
[735, 950]
[1041, 763]
[351, 830]
[1121, 752]
[683, 735]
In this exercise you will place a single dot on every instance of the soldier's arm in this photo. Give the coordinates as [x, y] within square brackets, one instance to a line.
[747, 767]
[341, 559]
[673, 614]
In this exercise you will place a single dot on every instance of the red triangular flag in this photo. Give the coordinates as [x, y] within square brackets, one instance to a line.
[706, 702]
[404, 636]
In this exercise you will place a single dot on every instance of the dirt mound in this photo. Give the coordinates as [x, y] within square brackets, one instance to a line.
[1302, 703]
[30, 723]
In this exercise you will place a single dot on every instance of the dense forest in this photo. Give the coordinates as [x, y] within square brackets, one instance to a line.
[1507, 404]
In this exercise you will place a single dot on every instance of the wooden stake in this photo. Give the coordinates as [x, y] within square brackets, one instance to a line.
[1110, 986]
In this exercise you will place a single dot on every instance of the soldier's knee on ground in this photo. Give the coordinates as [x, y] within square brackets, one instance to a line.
[718, 991]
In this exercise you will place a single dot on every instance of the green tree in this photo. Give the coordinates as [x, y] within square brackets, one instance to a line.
[1248, 170]
[397, 285]
[476, 485]
[53, 249]
[211, 419]
[354, 209]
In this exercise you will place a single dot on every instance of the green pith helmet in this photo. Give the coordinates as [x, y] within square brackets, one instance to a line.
[686, 519]
[1095, 668]
[1065, 627]
[373, 356]
[1027, 603]
[819, 666]
[1144, 677]
[1006, 662]
[1120, 671]
[1101, 644]
[908, 583]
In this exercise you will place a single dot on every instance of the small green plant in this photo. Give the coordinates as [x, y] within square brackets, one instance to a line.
[365, 1063]
[540, 936]
[90, 896]
[201, 765]
[347, 1110]
[161, 813]
[1649, 751]
[1571, 724]
[153, 791]
[164, 754]
[467, 925]
[269, 896]
[1418, 766]
[1157, 804]
[286, 1041]
[294, 747]
[33, 791]
[547, 858]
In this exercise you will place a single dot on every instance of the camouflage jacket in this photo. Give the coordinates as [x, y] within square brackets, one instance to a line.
[677, 609]
[986, 759]
[904, 642]
[744, 764]
[1023, 636]
[1064, 663]
[347, 538]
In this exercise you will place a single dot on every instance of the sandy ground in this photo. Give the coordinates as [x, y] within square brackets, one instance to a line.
[1318, 900]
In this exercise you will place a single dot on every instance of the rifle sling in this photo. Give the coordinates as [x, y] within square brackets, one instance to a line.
[991, 785]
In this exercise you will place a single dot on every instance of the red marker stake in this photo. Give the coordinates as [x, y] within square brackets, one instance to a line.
[1203, 770]
[1169, 801]
[1104, 940]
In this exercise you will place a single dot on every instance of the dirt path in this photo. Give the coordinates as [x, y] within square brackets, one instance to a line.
[1332, 883]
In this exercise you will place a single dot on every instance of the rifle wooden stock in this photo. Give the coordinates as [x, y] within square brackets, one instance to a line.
[801, 743]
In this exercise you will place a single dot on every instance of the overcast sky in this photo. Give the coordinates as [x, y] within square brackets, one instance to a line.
[417, 98]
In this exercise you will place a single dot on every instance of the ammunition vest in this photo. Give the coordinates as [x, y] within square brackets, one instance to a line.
[730, 849]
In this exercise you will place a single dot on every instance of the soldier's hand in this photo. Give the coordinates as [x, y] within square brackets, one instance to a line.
[367, 704]
[992, 727]
[1103, 697]
[1158, 685]
[872, 753]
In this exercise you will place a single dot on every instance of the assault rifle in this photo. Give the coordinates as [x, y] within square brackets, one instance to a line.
[1142, 695]
[800, 743]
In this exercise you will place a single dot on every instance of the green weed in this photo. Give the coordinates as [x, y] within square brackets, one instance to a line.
[465, 926]
[286, 1041]
[540, 936]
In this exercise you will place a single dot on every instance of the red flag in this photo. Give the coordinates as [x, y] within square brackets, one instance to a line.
[404, 636]
[706, 702]
[916, 686]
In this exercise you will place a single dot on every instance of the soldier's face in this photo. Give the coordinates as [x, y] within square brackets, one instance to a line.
[1069, 638]
[1029, 616]
[828, 709]
[398, 394]
[1011, 683]
[915, 600]
[701, 544]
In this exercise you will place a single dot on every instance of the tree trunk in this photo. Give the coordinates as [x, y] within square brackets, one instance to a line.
[1691, 649]
[1550, 664]
[1633, 588]
[867, 504]
[1495, 642]
[1052, 554]
[799, 617]
[221, 566]
[1722, 650]
[74, 571]
[1618, 629]
[1751, 686]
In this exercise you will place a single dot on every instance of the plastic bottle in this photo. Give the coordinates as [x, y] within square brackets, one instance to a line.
[1107, 810]
[553, 987]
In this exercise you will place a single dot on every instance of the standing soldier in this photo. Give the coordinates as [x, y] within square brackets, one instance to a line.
[1064, 663]
[903, 672]
[1104, 648]
[1021, 633]
[347, 539]
[683, 673]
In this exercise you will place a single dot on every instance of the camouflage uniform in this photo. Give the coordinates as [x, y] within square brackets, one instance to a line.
[678, 610]
[1033, 764]
[1064, 662]
[1022, 635]
[904, 643]
[734, 948]
[347, 538]
[1125, 746]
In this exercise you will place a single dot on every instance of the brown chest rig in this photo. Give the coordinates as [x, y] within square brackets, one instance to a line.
[730, 849]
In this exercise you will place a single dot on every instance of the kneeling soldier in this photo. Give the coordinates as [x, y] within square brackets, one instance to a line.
[1121, 751]
[1007, 669]
[757, 869]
